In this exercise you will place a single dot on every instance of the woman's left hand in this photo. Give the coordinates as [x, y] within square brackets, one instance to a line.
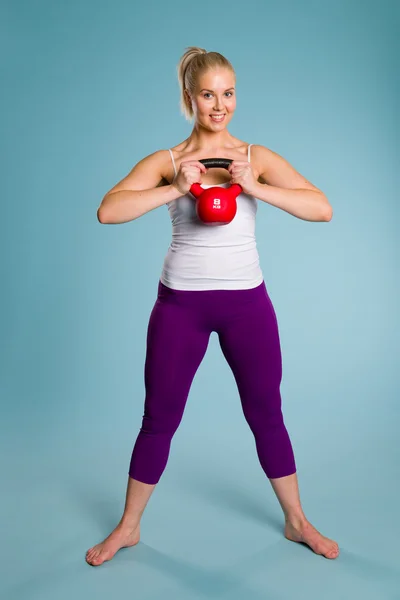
[242, 173]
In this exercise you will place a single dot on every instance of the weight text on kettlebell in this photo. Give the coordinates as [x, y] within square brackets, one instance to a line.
[217, 203]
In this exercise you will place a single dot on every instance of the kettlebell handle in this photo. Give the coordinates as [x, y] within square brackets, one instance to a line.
[215, 163]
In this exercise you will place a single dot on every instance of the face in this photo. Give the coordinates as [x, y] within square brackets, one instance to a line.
[214, 99]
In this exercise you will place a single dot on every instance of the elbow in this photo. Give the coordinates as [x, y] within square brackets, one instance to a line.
[102, 213]
[327, 211]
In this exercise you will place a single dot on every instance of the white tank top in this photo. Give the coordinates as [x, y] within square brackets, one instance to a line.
[202, 257]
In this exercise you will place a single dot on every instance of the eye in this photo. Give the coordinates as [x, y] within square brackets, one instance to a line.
[207, 94]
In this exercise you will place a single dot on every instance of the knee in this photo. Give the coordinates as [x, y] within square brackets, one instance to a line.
[160, 424]
[263, 415]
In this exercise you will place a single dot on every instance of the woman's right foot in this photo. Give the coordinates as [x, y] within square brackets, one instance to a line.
[123, 536]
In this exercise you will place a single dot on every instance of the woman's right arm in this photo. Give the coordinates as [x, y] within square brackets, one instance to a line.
[139, 192]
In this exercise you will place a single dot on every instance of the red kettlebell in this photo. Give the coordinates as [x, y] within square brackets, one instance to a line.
[215, 205]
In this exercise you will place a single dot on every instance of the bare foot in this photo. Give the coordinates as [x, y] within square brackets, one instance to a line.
[306, 533]
[123, 536]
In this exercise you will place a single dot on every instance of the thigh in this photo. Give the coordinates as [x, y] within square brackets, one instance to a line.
[251, 345]
[176, 345]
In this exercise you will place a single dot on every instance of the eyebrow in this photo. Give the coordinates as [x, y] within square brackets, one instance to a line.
[205, 90]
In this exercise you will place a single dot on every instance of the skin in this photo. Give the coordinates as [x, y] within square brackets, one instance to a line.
[150, 184]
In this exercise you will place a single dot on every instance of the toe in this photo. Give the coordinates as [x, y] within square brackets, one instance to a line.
[95, 559]
[99, 558]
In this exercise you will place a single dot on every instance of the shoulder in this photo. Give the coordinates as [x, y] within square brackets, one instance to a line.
[159, 156]
[148, 172]
[260, 152]
[160, 162]
[156, 158]
[264, 159]
[274, 169]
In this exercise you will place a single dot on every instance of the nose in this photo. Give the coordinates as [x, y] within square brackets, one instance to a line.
[219, 105]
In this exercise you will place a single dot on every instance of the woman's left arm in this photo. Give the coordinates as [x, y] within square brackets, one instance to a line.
[284, 187]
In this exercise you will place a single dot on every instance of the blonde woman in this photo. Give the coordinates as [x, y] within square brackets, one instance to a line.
[212, 281]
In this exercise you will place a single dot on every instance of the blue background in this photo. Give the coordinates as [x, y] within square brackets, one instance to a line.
[90, 88]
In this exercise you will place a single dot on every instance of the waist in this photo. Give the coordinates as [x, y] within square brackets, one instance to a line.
[210, 268]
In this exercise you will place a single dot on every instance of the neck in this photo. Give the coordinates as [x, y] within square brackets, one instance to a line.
[202, 139]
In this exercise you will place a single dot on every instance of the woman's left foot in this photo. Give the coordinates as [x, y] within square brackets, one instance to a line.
[306, 533]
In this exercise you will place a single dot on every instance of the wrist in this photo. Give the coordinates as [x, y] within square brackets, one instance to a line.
[259, 189]
[176, 188]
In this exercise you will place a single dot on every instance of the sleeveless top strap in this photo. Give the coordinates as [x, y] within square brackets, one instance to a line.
[173, 162]
[248, 153]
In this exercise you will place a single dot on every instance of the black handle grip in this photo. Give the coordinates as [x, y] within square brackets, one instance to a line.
[222, 163]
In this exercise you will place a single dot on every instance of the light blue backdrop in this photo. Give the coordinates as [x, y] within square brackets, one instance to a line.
[89, 88]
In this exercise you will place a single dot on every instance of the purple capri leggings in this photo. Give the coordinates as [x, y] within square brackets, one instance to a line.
[179, 329]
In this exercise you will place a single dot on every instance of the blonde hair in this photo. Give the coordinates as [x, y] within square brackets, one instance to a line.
[194, 62]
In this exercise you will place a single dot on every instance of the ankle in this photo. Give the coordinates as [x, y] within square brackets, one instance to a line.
[130, 522]
[297, 519]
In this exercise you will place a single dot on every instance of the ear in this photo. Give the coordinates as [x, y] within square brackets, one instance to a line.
[188, 98]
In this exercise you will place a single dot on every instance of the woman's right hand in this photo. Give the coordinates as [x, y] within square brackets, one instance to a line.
[189, 172]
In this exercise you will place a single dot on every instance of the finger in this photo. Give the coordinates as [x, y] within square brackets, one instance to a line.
[234, 166]
[202, 167]
[194, 172]
[195, 163]
[238, 173]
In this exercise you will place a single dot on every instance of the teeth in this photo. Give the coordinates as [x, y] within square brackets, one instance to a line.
[217, 117]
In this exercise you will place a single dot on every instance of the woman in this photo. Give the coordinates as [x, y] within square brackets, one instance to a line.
[212, 281]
